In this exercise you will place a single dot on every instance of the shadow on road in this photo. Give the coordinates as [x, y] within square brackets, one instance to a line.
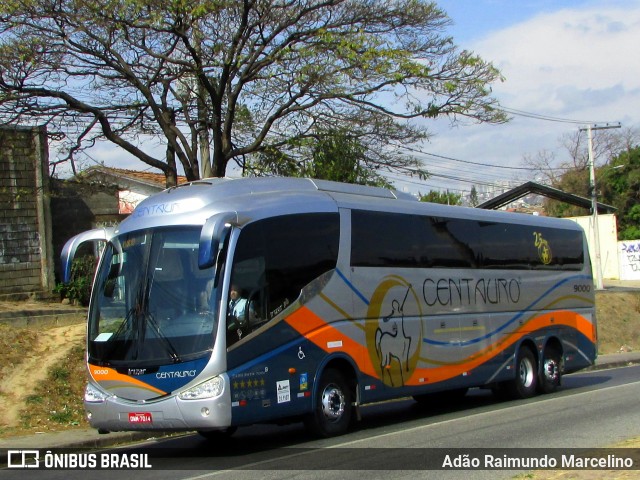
[284, 447]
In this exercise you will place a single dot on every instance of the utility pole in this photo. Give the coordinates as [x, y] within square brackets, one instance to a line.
[594, 200]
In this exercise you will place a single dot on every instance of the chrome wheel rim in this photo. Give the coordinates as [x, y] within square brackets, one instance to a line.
[551, 370]
[333, 403]
[526, 373]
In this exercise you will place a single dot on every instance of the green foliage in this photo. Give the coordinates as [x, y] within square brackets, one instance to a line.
[617, 183]
[335, 155]
[473, 197]
[340, 157]
[58, 400]
[79, 288]
[574, 181]
[34, 400]
[445, 198]
[273, 161]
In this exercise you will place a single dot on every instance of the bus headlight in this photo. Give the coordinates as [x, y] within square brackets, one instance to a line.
[93, 395]
[209, 389]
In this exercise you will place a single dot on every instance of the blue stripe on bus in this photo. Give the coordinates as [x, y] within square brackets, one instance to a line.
[264, 357]
[516, 317]
[352, 287]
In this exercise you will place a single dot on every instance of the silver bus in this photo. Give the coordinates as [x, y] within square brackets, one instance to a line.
[228, 302]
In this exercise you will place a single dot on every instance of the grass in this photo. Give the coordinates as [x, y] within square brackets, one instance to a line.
[14, 343]
[57, 402]
[618, 316]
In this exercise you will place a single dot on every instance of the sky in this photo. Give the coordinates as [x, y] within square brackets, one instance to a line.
[571, 60]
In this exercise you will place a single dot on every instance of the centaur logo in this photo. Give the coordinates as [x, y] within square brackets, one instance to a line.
[544, 250]
[393, 340]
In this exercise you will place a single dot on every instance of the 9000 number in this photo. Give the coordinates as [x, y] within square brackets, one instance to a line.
[582, 288]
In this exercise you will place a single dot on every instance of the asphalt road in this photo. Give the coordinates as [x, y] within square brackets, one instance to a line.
[401, 440]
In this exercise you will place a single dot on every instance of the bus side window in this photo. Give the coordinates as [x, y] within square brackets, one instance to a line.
[277, 257]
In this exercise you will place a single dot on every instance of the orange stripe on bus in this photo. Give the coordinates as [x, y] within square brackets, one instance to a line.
[106, 374]
[316, 330]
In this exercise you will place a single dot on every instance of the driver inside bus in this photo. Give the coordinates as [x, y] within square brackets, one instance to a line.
[238, 312]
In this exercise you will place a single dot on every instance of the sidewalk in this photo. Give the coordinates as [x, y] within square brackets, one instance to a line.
[89, 438]
[621, 285]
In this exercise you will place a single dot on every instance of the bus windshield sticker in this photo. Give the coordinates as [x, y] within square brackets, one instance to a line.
[103, 337]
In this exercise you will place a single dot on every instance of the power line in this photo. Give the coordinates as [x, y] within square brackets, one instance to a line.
[546, 118]
[448, 168]
[469, 162]
[425, 184]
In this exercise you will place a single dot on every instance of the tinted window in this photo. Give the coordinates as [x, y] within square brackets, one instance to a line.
[382, 239]
[275, 258]
[390, 240]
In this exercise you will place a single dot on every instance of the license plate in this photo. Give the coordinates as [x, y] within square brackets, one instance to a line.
[140, 417]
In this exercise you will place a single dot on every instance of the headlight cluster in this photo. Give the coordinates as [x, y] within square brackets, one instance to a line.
[93, 395]
[209, 389]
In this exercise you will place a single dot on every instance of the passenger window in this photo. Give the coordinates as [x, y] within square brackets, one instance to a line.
[382, 239]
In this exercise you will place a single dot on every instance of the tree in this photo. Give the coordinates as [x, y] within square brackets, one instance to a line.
[619, 185]
[227, 79]
[473, 197]
[340, 157]
[572, 174]
[617, 156]
[445, 198]
[335, 155]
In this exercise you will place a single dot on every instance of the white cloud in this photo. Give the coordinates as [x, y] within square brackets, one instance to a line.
[579, 64]
[558, 62]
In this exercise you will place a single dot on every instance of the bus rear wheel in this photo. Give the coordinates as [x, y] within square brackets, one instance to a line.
[551, 374]
[333, 406]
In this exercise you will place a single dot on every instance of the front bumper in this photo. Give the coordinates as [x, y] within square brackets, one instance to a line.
[169, 413]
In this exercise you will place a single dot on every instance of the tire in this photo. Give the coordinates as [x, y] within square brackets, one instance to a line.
[550, 371]
[333, 406]
[525, 383]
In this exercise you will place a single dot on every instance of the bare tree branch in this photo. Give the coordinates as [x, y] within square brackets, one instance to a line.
[244, 76]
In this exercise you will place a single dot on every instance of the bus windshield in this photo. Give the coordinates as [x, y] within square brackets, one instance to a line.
[151, 303]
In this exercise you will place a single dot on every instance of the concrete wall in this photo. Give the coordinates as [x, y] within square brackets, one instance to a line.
[26, 259]
[79, 206]
[608, 231]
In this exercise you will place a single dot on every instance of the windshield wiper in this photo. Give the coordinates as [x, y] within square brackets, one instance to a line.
[128, 324]
[171, 349]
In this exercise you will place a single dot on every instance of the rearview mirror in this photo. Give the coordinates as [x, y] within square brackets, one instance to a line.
[212, 237]
[71, 247]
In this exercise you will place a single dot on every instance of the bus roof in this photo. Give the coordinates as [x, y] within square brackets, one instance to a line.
[254, 198]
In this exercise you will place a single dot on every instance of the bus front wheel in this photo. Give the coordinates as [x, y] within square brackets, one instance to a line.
[526, 380]
[333, 406]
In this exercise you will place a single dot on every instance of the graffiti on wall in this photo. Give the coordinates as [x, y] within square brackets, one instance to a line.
[629, 253]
